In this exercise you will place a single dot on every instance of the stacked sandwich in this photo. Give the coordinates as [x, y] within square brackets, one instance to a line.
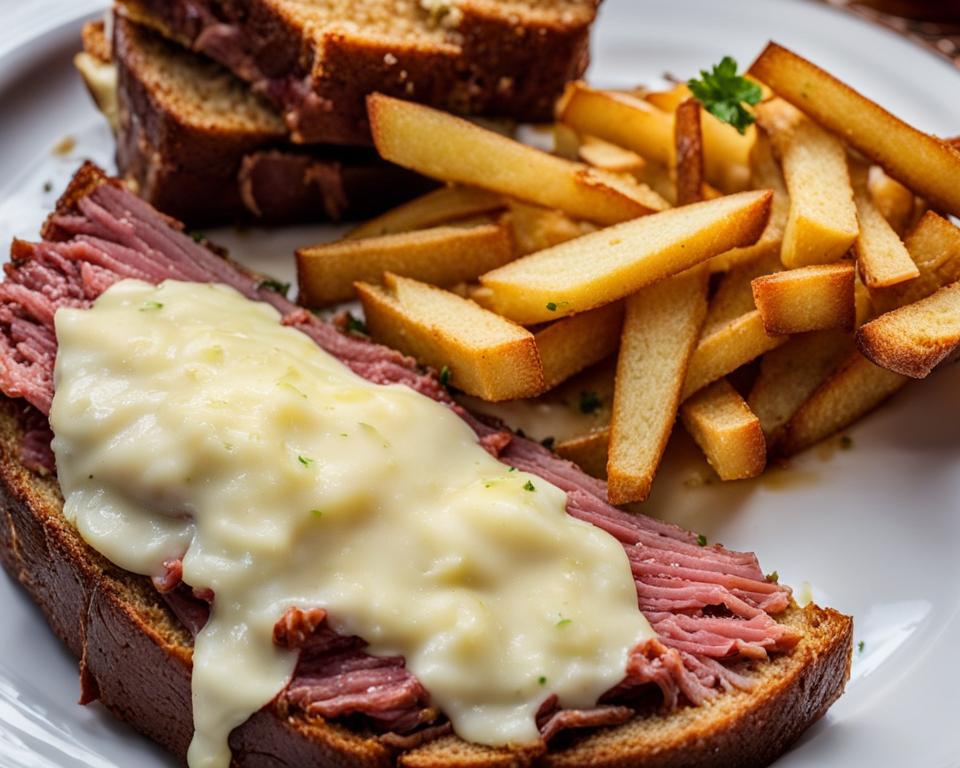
[255, 111]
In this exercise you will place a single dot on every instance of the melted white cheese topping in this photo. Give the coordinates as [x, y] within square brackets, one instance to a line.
[190, 422]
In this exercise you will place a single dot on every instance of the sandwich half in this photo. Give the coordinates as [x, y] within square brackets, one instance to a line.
[198, 145]
[730, 674]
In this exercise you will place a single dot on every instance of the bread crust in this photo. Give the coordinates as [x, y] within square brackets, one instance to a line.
[136, 658]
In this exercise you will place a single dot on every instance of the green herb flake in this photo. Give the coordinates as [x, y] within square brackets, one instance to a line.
[48, 186]
[529, 486]
[150, 306]
[860, 646]
[590, 402]
[198, 237]
[542, 680]
[316, 512]
[512, 469]
[563, 622]
[773, 578]
[445, 376]
[269, 284]
[305, 461]
[701, 540]
[355, 325]
[551, 306]
[846, 442]
[723, 93]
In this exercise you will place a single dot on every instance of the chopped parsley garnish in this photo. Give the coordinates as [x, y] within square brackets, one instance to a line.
[548, 442]
[529, 486]
[563, 622]
[846, 442]
[198, 237]
[590, 402]
[356, 325]
[701, 540]
[723, 93]
[274, 285]
[445, 376]
[316, 512]
[305, 461]
[773, 578]
[551, 306]
[542, 680]
[48, 186]
[150, 306]
[512, 469]
[860, 646]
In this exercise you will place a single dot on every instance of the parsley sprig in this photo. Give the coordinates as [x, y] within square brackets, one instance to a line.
[723, 93]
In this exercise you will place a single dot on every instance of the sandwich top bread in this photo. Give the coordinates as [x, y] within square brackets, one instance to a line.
[317, 60]
[733, 672]
[200, 146]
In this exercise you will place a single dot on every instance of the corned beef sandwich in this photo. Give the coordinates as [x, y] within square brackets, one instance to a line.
[736, 672]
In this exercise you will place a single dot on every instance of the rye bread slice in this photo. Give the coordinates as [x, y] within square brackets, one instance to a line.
[318, 59]
[199, 146]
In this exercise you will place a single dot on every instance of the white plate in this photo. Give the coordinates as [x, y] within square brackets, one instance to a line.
[874, 529]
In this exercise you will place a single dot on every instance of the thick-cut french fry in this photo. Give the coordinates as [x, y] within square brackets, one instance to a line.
[924, 163]
[934, 246]
[726, 430]
[440, 255]
[734, 294]
[441, 206]
[822, 223]
[449, 148]
[610, 264]
[726, 348]
[815, 298]
[484, 354]
[588, 451]
[689, 150]
[574, 343]
[765, 173]
[620, 118]
[566, 142]
[882, 258]
[791, 373]
[609, 157]
[660, 330]
[536, 228]
[894, 201]
[852, 391]
[916, 338]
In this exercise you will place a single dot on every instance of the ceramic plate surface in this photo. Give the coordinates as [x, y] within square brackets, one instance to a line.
[874, 530]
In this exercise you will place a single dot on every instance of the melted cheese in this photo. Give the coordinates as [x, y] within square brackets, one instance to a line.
[190, 422]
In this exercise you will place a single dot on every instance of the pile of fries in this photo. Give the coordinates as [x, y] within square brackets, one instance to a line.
[768, 287]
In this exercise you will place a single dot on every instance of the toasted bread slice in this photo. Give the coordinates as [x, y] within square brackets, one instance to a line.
[318, 59]
[201, 147]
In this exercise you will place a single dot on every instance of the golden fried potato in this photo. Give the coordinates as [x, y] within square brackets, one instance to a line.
[483, 354]
[924, 163]
[441, 255]
[536, 228]
[689, 151]
[734, 294]
[727, 431]
[574, 343]
[894, 201]
[612, 263]
[882, 258]
[815, 298]
[609, 157]
[588, 451]
[449, 148]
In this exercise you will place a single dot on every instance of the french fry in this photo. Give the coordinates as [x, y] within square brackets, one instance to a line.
[934, 246]
[791, 373]
[916, 338]
[894, 201]
[815, 298]
[660, 330]
[925, 164]
[854, 389]
[727, 431]
[609, 157]
[536, 228]
[566, 142]
[449, 148]
[882, 258]
[485, 355]
[689, 151]
[441, 255]
[822, 222]
[588, 451]
[726, 348]
[765, 173]
[734, 294]
[441, 206]
[608, 265]
[621, 119]
[574, 343]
